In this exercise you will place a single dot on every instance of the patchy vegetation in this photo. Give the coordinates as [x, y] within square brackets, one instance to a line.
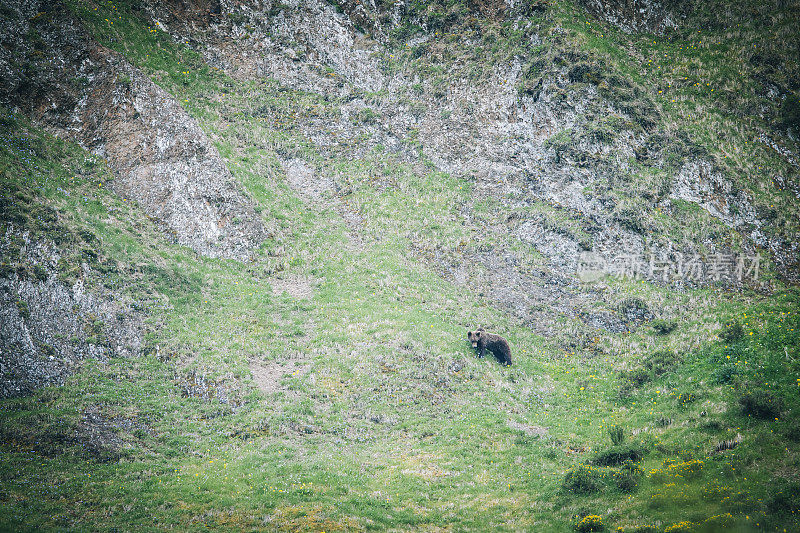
[326, 383]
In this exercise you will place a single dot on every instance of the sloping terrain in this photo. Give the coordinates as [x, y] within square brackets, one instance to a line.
[242, 244]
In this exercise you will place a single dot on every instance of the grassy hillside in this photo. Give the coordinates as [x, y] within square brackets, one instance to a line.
[328, 386]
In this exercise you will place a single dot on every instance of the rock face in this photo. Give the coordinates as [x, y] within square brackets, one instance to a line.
[49, 327]
[82, 91]
[654, 16]
[547, 128]
[307, 44]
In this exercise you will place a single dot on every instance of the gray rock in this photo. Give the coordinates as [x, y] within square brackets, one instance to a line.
[81, 91]
[49, 328]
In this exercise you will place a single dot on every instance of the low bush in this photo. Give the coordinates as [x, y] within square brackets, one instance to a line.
[617, 455]
[617, 435]
[686, 398]
[585, 479]
[664, 327]
[589, 523]
[760, 404]
[660, 362]
[731, 332]
[786, 501]
[627, 478]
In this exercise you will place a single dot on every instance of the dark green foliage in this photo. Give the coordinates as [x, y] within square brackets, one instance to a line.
[660, 362]
[731, 332]
[617, 435]
[760, 404]
[786, 501]
[589, 523]
[724, 374]
[584, 479]
[789, 113]
[632, 380]
[591, 479]
[365, 116]
[686, 398]
[627, 478]
[586, 73]
[23, 309]
[664, 327]
[654, 365]
[618, 455]
[632, 218]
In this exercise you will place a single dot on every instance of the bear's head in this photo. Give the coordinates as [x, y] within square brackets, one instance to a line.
[474, 337]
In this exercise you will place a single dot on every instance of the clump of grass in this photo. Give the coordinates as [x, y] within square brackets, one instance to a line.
[592, 478]
[663, 327]
[724, 374]
[589, 523]
[632, 380]
[660, 362]
[786, 501]
[760, 404]
[585, 479]
[617, 435]
[654, 366]
[686, 398]
[627, 478]
[618, 455]
[731, 331]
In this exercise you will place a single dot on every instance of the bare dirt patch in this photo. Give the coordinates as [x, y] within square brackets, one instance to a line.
[298, 287]
[267, 375]
[320, 191]
[527, 428]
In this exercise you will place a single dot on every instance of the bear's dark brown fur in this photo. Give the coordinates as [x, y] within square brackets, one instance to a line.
[489, 341]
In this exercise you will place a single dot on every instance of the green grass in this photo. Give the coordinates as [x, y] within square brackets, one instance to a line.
[396, 424]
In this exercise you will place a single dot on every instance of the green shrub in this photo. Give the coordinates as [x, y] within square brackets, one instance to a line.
[686, 398]
[617, 434]
[627, 478]
[589, 523]
[664, 327]
[760, 404]
[366, 116]
[585, 479]
[660, 362]
[724, 374]
[631, 380]
[617, 455]
[731, 332]
[786, 501]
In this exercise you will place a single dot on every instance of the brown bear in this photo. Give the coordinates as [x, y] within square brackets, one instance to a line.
[494, 343]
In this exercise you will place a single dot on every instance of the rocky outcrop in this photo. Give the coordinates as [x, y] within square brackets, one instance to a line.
[547, 131]
[308, 45]
[50, 327]
[79, 90]
[653, 16]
